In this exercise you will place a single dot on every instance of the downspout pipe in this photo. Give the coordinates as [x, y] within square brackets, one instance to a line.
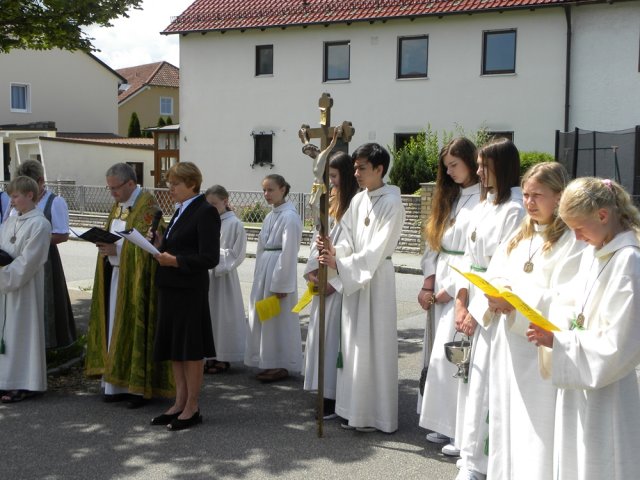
[567, 75]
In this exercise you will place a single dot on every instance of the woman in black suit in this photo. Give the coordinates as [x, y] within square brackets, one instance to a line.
[189, 248]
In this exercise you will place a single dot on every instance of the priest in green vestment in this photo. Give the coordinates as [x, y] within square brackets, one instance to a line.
[122, 322]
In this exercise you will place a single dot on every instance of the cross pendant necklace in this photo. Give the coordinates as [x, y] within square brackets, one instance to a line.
[373, 204]
[16, 229]
[579, 321]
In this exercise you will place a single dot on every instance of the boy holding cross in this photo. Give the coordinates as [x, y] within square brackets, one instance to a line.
[367, 385]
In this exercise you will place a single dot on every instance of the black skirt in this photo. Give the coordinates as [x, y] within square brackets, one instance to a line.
[183, 331]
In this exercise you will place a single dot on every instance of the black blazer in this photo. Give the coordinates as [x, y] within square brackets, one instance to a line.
[195, 241]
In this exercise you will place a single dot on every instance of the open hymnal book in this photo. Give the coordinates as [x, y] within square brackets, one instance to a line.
[97, 235]
[527, 311]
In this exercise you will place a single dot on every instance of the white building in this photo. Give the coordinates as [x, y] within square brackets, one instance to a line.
[53, 93]
[252, 72]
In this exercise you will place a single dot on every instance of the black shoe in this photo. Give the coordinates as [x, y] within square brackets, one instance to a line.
[165, 418]
[116, 397]
[177, 424]
[136, 401]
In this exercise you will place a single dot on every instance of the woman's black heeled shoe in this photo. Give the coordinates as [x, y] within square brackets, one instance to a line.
[164, 419]
[178, 424]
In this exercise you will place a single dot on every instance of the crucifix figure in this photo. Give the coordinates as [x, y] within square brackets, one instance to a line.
[319, 202]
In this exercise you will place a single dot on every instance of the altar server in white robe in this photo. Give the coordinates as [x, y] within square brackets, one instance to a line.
[457, 192]
[592, 360]
[344, 187]
[228, 317]
[535, 262]
[367, 385]
[493, 221]
[25, 237]
[276, 345]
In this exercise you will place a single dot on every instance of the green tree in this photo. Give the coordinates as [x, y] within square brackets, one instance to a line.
[169, 121]
[161, 122]
[47, 24]
[134, 127]
[417, 161]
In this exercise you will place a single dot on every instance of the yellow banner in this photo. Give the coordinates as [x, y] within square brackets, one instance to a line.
[530, 313]
[268, 308]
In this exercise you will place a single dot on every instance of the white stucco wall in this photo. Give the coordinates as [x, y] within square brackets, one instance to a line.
[69, 88]
[86, 164]
[222, 101]
[605, 82]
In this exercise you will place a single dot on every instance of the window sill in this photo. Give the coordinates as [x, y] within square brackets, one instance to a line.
[337, 81]
[20, 111]
[264, 75]
[410, 79]
[512, 74]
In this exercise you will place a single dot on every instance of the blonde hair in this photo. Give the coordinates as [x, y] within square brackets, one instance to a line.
[554, 176]
[585, 196]
[24, 185]
[187, 173]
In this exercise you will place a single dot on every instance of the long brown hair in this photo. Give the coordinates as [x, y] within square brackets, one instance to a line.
[447, 191]
[348, 187]
[505, 160]
[554, 176]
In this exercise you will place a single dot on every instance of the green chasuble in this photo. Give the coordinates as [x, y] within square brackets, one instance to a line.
[129, 362]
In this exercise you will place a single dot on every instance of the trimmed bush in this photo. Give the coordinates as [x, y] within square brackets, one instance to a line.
[529, 159]
[134, 126]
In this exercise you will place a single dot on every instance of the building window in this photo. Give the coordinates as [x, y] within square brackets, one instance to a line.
[166, 106]
[412, 56]
[401, 139]
[498, 135]
[262, 148]
[264, 60]
[20, 101]
[336, 61]
[499, 52]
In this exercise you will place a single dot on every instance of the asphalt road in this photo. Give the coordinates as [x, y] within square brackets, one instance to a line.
[250, 430]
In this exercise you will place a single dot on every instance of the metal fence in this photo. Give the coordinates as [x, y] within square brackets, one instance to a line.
[96, 201]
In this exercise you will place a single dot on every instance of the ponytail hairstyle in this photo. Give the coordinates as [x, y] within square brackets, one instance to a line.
[505, 163]
[348, 184]
[447, 191]
[220, 192]
[554, 176]
[280, 181]
[584, 196]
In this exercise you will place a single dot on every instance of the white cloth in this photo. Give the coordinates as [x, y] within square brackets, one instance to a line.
[228, 317]
[5, 206]
[597, 430]
[490, 225]
[522, 403]
[276, 343]
[333, 313]
[367, 385]
[23, 365]
[437, 408]
[59, 212]
[117, 225]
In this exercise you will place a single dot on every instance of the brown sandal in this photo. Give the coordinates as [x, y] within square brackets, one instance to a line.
[273, 375]
[212, 367]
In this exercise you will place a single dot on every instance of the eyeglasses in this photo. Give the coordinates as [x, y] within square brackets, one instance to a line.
[113, 189]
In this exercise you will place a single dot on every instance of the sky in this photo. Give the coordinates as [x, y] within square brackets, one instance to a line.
[137, 40]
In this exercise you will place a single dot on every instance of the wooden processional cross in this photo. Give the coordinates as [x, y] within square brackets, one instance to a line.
[328, 136]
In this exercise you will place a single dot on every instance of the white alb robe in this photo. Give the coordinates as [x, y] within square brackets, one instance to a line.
[23, 366]
[522, 403]
[597, 430]
[228, 317]
[333, 313]
[492, 225]
[117, 225]
[276, 343]
[437, 408]
[367, 385]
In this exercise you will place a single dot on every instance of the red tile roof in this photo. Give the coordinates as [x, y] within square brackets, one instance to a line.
[205, 15]
[160, 74]
[142, 143]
